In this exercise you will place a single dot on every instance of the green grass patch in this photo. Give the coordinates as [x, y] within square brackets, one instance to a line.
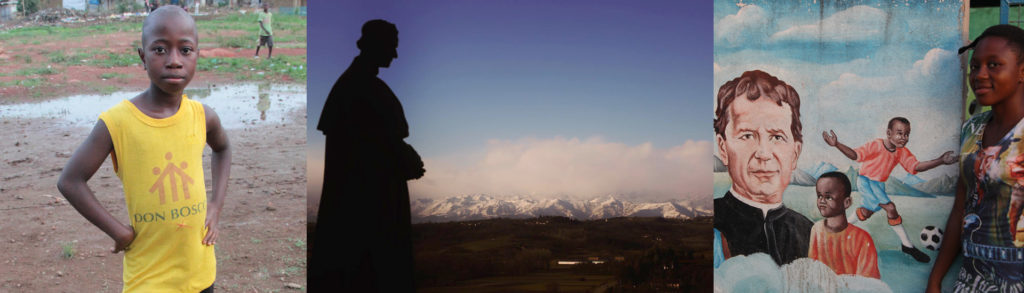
[79, 58]
[291, 244]
[23, 58]
[235, 42]
[35, 71]
[30, 82]
[54, 32]
[57, 57]
[247, 22]
[287, 29]
[247, 68]
[127, 57]
[105, 89]
[68, 250]
[289, 40]
[114, 75]
[290, 30]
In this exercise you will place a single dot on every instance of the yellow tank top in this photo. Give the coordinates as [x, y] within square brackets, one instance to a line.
[160, 163]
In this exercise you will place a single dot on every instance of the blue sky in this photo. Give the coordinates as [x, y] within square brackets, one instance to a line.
[867, 62]
[480, 79]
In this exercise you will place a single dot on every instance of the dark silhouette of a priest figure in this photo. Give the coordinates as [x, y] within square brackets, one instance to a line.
[361, 241]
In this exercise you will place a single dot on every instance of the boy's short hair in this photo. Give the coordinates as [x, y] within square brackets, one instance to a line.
[160, 14]
[1014, 38]
[900, 119]
[847, 187]
[752, 84]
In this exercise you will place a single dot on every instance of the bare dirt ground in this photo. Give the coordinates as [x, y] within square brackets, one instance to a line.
[46, 246]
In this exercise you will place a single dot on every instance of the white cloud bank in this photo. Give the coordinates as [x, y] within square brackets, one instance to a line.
[749, 25]
[858, 23]
[759, 273]
[752, 24]
[572, 168]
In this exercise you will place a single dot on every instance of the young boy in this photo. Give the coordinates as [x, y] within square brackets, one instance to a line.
[265, 18]
[845, 248]
[155, 142]
[878, 159]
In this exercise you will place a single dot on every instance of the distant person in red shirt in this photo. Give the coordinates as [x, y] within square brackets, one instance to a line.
[845, 248]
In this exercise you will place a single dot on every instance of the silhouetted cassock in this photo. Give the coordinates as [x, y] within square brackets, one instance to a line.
[362, 238]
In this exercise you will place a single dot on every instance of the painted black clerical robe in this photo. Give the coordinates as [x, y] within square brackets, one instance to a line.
[784, 234]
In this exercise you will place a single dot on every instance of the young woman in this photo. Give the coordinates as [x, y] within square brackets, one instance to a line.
[983, 225]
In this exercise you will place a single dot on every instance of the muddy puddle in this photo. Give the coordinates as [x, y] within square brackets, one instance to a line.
[238, 105]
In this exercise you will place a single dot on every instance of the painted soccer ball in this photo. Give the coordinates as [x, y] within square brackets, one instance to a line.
[931, 237]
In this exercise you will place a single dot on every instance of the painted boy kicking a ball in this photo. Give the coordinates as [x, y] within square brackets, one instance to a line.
[878, 158]
[155, 142]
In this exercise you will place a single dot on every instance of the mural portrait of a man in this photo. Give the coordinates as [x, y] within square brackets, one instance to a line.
[757, 132]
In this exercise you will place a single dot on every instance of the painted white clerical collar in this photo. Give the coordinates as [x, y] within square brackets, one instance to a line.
[764, 207]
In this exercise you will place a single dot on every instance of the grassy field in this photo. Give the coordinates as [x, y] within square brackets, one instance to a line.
[40, 61]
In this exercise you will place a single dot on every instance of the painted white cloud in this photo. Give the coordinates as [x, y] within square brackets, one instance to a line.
[935, 74]
[858, 23]
[748, 26]
[937, 64]
[759, 273]
[571, 168]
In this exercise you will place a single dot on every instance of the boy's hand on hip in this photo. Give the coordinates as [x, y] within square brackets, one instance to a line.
[211, 227]
[123, 240]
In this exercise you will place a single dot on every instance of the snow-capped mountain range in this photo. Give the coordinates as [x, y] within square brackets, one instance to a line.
[477, 207]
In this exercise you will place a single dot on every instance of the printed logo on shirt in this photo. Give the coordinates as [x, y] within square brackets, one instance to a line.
[172, 214]
[171, 173]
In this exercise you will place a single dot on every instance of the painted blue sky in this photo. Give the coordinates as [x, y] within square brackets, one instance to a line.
[585, 93]
[855, 64]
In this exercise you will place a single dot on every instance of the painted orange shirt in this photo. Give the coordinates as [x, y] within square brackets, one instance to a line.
[877, 162]
[160, 163]
[850, 252]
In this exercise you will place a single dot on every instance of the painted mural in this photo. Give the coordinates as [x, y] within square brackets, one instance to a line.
[835, 126]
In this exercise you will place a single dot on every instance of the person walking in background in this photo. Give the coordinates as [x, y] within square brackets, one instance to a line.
[266, 20]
